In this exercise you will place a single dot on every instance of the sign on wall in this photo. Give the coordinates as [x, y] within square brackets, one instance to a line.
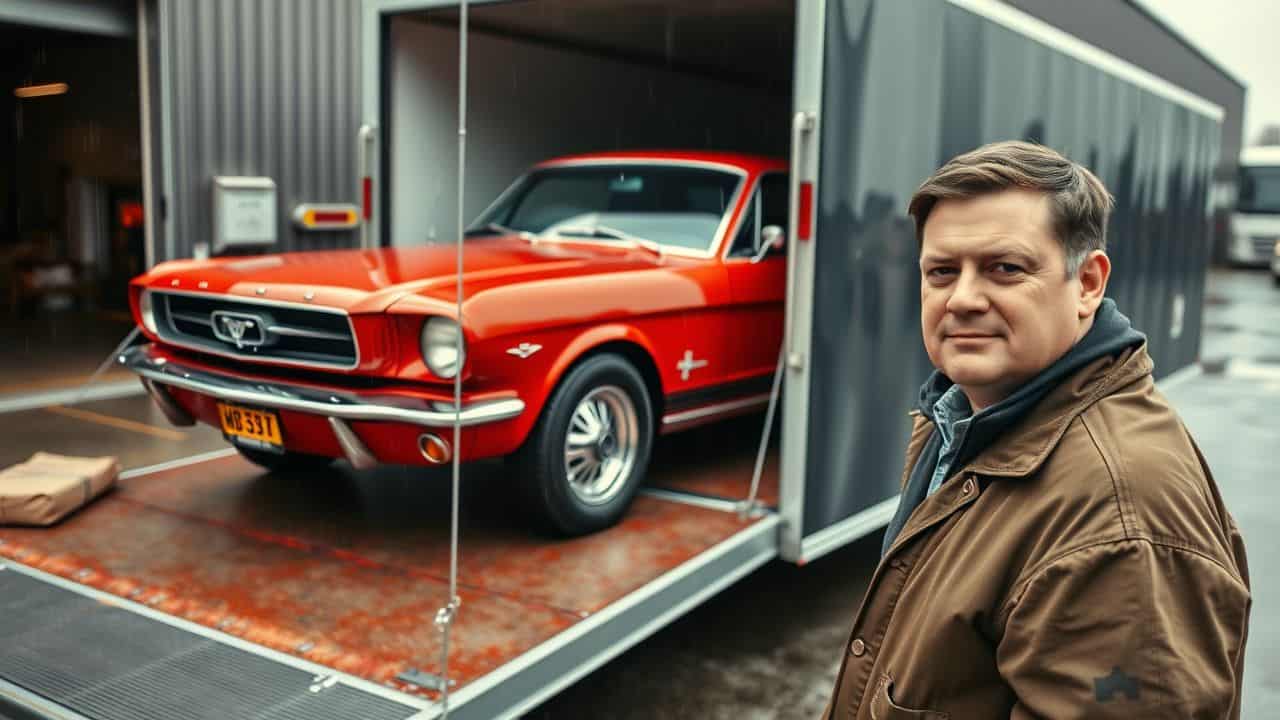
[244, 212]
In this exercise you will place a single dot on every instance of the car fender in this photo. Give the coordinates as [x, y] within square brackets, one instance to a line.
[590, 339]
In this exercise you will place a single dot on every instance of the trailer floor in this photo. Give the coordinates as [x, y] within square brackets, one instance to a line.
[347, 569]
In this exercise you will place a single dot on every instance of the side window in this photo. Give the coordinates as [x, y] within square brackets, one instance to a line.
[744, 242]
[775, 210]
[769, 206]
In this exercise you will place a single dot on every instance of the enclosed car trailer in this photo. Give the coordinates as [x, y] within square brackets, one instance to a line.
[201, 590]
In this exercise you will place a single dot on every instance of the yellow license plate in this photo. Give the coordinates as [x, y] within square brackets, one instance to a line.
[259, 425]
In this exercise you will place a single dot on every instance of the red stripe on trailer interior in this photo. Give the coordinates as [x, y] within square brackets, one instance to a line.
[805, 227]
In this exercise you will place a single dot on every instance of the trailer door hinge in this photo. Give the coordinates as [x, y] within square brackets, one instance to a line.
[795, 360]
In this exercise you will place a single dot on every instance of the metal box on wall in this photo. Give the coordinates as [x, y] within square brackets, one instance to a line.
[244, 212]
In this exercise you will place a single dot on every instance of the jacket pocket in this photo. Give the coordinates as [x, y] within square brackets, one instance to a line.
[884, 708]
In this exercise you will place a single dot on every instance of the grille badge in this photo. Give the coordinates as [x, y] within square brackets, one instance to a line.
[242, 329]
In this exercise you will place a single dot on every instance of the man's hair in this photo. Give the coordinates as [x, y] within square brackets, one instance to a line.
[1079, 203]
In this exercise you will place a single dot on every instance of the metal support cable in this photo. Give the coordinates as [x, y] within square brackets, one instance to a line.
[750, 506]
[110, 359]
[445, 616]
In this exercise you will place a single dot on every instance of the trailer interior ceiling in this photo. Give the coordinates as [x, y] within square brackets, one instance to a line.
[749, 41]
[554, 77]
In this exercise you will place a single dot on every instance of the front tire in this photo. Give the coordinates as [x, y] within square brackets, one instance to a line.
[585, 459]
[286, 462]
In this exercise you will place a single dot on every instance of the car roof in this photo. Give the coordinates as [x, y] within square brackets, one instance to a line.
[742, 161]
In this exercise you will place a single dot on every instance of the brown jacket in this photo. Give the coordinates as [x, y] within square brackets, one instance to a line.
[1082, 566]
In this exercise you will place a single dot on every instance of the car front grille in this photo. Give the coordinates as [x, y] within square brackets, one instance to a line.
[1264, 246]
[311, 337]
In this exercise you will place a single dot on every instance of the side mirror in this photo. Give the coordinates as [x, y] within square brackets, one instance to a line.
[772, 237]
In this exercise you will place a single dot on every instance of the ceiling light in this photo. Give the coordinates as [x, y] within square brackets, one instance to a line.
[30, 91]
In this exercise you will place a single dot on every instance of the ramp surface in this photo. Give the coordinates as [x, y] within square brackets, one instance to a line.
[110, 663]
[346, 570]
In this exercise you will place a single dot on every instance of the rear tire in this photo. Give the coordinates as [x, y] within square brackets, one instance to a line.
[585, 459]
[286, 462]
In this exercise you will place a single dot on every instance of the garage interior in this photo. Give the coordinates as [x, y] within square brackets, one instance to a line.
[555, 77]
[71, 231]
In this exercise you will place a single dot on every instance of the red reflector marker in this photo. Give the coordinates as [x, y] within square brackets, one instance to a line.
[331, 217]
[368, 197]
[326, 216]
[804, 227]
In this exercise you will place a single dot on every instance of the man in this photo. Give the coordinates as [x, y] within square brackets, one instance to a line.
[1061, 549]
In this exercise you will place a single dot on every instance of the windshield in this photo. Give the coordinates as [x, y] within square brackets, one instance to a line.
[670, 205]
[1259, 190]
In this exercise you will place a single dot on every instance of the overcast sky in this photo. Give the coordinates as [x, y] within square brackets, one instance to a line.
[1244, 37]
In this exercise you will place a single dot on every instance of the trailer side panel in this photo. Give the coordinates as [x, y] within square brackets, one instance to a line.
[909, 85]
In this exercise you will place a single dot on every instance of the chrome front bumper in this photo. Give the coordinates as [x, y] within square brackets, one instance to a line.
[156, 371]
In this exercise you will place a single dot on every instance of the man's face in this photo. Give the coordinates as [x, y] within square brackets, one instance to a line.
[996, 306]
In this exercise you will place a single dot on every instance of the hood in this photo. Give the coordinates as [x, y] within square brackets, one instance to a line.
[371, 280]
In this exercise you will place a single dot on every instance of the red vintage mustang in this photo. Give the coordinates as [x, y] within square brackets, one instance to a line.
[607, 298]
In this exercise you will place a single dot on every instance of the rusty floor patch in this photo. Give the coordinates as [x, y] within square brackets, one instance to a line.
[348, 569]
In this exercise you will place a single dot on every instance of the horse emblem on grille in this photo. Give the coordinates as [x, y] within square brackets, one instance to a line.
[241, 329]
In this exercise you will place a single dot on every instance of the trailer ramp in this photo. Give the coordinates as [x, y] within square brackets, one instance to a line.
[213, 587]
[65, 650]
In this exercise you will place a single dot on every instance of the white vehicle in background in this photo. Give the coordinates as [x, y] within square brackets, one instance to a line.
[1275, 263]
[1255, 224]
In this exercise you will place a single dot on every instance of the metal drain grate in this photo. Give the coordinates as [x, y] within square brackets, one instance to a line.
[108, 663]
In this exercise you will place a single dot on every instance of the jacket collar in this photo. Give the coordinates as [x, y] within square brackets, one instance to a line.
[1021, 451]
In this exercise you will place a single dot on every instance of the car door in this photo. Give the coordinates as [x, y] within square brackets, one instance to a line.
[758, 288]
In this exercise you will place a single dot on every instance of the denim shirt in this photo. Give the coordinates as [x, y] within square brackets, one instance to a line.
[953, 413]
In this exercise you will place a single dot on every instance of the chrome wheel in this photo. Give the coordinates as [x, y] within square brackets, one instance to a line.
[585, 458]
[601, 446]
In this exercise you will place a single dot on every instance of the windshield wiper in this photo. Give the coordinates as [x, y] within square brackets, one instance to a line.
[649, 245]
[493, 228]
[612, 233]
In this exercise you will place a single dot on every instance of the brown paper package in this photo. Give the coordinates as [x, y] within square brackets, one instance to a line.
[48, 487]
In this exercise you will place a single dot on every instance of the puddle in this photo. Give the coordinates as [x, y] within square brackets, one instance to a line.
[1222, 327]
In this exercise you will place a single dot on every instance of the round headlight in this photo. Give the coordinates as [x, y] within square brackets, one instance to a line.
[146, 312]
[443, 347]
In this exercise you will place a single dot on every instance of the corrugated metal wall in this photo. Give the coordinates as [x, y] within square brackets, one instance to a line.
[262, 88]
